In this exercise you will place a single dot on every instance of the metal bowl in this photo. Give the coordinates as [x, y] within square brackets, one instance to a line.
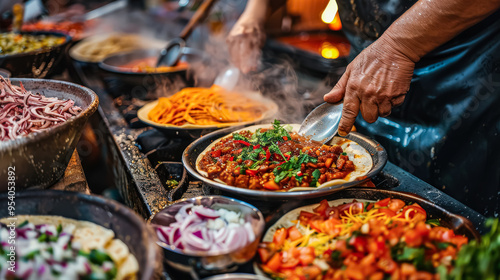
[191, 153]
[38, 63]
[138, 84]
[126, 224]
[40, 158]
[202, 263]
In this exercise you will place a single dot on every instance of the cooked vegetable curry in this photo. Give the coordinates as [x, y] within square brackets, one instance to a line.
[13, 43]
[274, 159]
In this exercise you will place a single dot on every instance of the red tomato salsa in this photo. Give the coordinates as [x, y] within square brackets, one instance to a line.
[388, 239]
[274, 159]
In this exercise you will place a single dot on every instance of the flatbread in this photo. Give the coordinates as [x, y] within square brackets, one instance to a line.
[91, 236]
[361, 158]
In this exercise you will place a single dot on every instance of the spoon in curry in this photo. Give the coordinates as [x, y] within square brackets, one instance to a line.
[323, 122]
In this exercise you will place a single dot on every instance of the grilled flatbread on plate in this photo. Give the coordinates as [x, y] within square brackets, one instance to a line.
[360, 156]
[91, 236]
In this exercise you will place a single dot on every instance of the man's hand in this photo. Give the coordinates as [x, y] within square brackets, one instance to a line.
[373, 83]
[245, 41]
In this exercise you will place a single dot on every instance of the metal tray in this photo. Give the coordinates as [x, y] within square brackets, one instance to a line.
[379, 157]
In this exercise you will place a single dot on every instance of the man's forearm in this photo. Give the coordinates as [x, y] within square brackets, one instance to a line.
[431, 23]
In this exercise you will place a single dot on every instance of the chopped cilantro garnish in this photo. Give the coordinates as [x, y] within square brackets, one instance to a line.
[344, 154]
[22, 224]
[314, 183]
[433, 222]
[237, 136]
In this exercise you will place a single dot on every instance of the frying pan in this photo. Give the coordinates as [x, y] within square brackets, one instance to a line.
[379, 158]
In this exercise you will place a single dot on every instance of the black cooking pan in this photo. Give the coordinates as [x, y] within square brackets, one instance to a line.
[191, 153]
[38, 63]
[39, 159]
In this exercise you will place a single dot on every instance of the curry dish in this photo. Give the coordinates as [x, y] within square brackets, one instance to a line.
[278, 159]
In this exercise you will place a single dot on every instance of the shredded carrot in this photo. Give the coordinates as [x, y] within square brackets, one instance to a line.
[205, 106]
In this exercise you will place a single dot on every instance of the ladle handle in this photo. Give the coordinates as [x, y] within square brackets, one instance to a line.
[198, 17]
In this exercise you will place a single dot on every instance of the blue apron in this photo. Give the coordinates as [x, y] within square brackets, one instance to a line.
[447, 132]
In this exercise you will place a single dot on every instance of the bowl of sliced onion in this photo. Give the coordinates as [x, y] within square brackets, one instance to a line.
[207, 235]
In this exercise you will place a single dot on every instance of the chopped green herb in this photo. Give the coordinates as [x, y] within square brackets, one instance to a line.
[433, 222]
[22, 224]
[98, 257]
[316, 174]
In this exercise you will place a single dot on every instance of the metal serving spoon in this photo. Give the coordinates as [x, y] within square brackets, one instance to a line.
[172, 52]
[323, 122]
[228, 78]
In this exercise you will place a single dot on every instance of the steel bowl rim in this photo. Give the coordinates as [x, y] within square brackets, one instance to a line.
[36, 136]
[152, 252]
[382, 154]
[39, 51]
[201, 254]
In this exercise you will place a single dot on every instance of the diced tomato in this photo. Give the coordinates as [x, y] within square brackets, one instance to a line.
[448, 235]
[306, 259]
[316, 223]
[242, 142]
[359, 243]
[216, 153]
[312, 272]
[268, 154]
[407, 269]
[251, 172]
[459, 240]
[422, 229]
[305, 216]
[396, 204]
[294, 233]
[323, 205]
[377, 248]
[256, 146]
[285, 138]
[231, 159]
[279, 237]
[387, 265]
[355, 207]
[388, 212]
[287, 156]
[328, 162]
[415, 211]
[271, 185]
[275, 262]
[413, 238]
[330, 227]
[383, 203]
[290, 263]
[300, 173]
[265, 254]
[369, 206]
[354, 273]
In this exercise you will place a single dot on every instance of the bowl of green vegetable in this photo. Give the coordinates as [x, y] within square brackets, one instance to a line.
[32, 54]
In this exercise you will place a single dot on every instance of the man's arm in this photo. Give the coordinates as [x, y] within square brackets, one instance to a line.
[379, 77]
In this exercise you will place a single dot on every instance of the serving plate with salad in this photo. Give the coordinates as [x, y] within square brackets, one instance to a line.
[378, 234]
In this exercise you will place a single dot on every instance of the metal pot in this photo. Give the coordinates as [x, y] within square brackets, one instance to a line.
[40, 159]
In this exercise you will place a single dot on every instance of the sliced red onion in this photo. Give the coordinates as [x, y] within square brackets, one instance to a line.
[205, 213]
[190, 230]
